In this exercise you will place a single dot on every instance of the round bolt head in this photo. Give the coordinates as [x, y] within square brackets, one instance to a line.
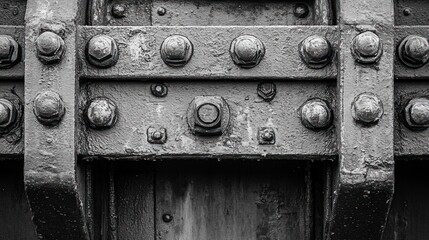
[50, 48]
[176, 51]
[48, 108]
[367, 108]
[417, 114]
[9, 51]
[8, 113]
[101, 113]
[316, 114]
[301, 10]
[167, 218]
[159, 90]
[161, 11]
[413, 51]
[247, 51]
[118, 10]
[315, 51]
[157, 135]
[4, 113]
[267, 91]
[208, 113]
[367, 48]
[102, 51]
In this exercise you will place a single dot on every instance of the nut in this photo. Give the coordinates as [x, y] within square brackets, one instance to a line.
[367, 108]
[316, 114]
[9, 51]
[159, 90]
[50, 48]
[266, 136]
[156, 136]
[102, 51]
[367, 48]
[101, 113]
[413, 51]
[118, 10]
[176, 51]
[315, 51]
[247, 51]
[416, 114]
[301, 10]
[267, 91]
[48, 108]
[8, 114]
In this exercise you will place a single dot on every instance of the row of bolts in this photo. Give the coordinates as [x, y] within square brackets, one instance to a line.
[246, 52]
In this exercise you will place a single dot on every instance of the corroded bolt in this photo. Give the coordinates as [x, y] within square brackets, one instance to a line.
[50, 47]
[267, 91]
[48, 108]
[118, 10]
[316, 114]
[367, 108]
[301, 10]
[159, 90]
[157, 135]
[176, 51]
[9, 51]
[413, 51]
[8, 113]
[208, 113]
[266, 136]
[417, 113]
[367, 48]
[247, 51]
[102, 51]
[315, 51]
[101, 113]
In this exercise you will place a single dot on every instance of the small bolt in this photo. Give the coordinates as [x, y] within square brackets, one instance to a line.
[247, 51]
[208, 113]
[417, 114]
[48, 108]
[157, 135]
[101, 113]
[315, 51]
[8, 114]
[367, 48]
[413, 51]
[167, 218]
[407, 11]
[267, 91]
[161, 11]
[176, 51]
[159, 90]
[266, 136]
[102, 51]
[316, 114]
[50, 48]
[9, 51]
[367, 108]
[301, 10]
[118, 10]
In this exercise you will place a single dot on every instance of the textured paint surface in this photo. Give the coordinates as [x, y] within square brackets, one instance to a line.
[16, 71]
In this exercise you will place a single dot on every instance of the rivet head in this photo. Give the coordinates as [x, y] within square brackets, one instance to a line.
[316, 114]
[118, 10]
[9, 51]
[247, 51]
[101, 113]
[176, 51]
[301, 10]
[367, 48]
[417, 114]
[50, 47]
[267, 91]
[161, 11]
[8, 113]
[167, 218]
[367, 108]
[48, 108]
[102, 51]
[413, 51]
[159, 90]
[315, 51]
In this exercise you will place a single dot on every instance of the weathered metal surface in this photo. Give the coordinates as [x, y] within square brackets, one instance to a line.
[15, 72]
[12, 12]
[139, 109]
[51, 175]
[411, 12]
[140, 58]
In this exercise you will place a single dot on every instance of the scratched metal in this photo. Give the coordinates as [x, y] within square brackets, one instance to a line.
[16, 71]
[139, 56]
[139, 110]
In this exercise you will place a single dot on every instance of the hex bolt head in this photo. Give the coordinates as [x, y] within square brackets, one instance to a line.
[266, 136]
[119, 10]
[267, 91]
[247, 51]
[176, 51]
[50, 48]
[159, 90]
[8, 114]
[9, 52]
[101, 113]
[367, 48]
[316, 114]
[48, 107]
[413, 51]
[315, 51]
[301, 10]
[102, 51]
[367, 108]
[416, 114]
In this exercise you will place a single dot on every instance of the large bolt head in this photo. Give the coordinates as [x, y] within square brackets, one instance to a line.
[247, 51]
[101, 113]
[50, 47]
[417, 114]
[9, 51]
[367, 108]
[102, 51]
[316, 114]
[414, 51]
[48, 107]
[8, 113]
[176, 51]
[367, 48]
[315, 51]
